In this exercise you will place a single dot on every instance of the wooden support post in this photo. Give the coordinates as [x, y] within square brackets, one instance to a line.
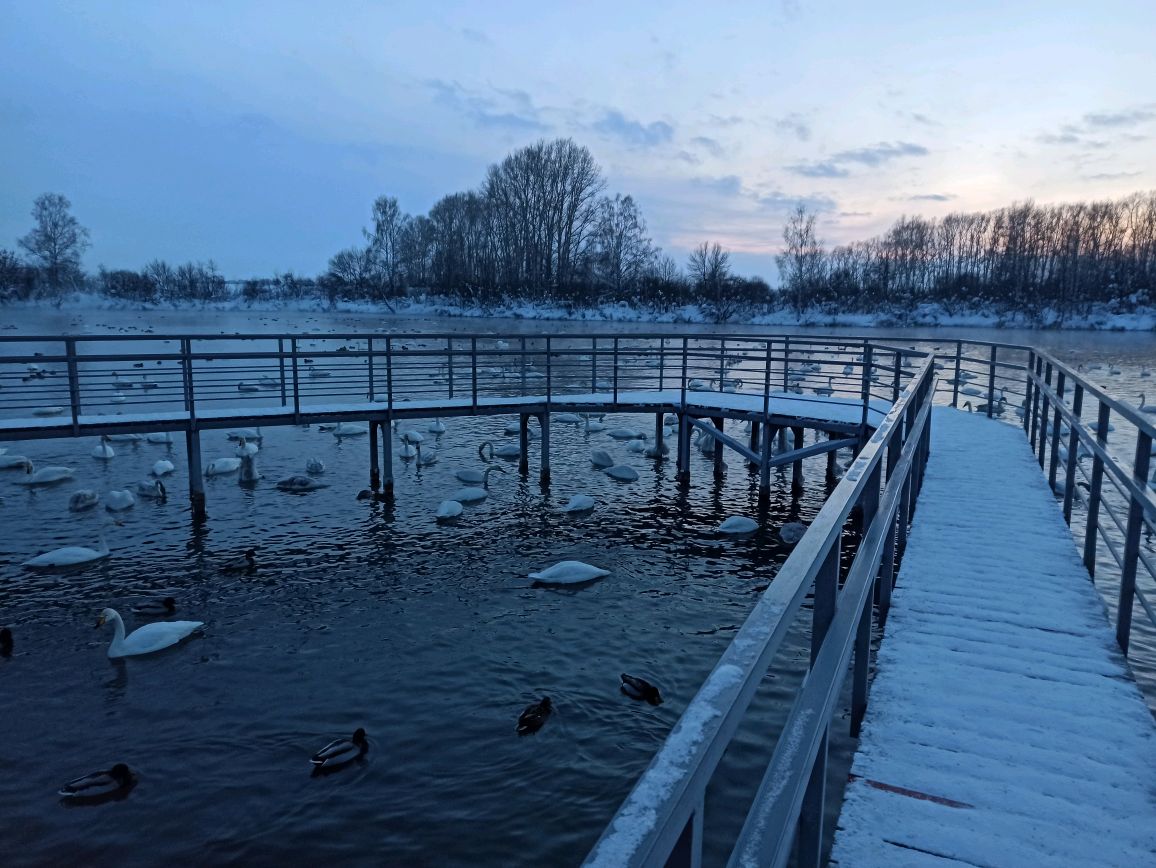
[1092, 522]
[1140, 466]
[797, 466]
[196, 480]
[831, 460]
[765, 467]
[544, 473]
[659, 438]
[387, 458]
[683, 448]
[524, 443]
[374, 461]
[719, 466]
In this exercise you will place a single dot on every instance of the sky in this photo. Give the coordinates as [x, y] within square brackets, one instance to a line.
[257, 135]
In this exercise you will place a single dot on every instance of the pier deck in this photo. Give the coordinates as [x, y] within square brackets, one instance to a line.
[1004, 727]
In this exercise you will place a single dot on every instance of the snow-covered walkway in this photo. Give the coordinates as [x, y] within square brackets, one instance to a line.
[1004, 728]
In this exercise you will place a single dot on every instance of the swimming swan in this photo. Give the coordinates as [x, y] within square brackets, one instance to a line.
[448, 509]
[45, 475]
[69, 556]
[222, 466]
[145, 639]
[300, 483]
[569, 573]
[82, 499]
[601, 459]
[578, 503]
[118, 500]
[314, 466]
[153, 489]
[1146, 407]
[103, 450]
[738, 524]
[163, 467]
[622, 472]
[474, 494]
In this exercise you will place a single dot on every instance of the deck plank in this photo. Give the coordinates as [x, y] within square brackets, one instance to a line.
[999, 685]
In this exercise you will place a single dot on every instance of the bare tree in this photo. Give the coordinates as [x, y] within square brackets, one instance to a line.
[57, 241]
[801, 261]
[709, 267]
[385, 243]
[622, 250]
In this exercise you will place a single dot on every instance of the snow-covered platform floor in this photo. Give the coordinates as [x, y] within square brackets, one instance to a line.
[1004, 728]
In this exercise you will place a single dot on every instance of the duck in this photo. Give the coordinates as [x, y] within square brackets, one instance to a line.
[69, 556]
[792, 532]
[99, 785]
[1145, 407]
[45, 475]
[314, 466]
[534, 716]
[475, 494]
[222, 466]
[159, 608]
[601, 459]
[341, 751]
[640, 688]
[569, 573]
[82, 499]
[118, 500]
[737, 524]
[622, 472]
[300, 483]
[153, 489]
[448, 509]
[578, 503]
[163, 467]
[147, 638]
[103, 450]
[437, 426]
[241, 563]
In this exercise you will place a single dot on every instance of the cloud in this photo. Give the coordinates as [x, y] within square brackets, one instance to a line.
[1111, 176]
[873, 157]
[1119, 119]
[510, 109]
[475, 36]
[782, 203]
[709, 145]
[932, 197]
[615, 124]
[795, 125]
[727, 185]
[924, 119]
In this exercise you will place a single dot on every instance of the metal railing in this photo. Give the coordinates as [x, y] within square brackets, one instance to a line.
[661, 821]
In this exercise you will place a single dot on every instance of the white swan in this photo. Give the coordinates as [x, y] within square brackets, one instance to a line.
[350, 429]
[568, 418]
[125, 438]
[246, 433]
[578, 503]
[69, 556]
[1146, 407]
[476, 494]
[622, 472]
[249, 467]
[505, 451]
[103, 450]
[601, 459]
[569, 573]
[736, 524]
[314, 466]
[119, 500]
[147, 639]
[827, 390]
[593, 426]
[425, 459]
[13, 462]
[300, 483]
[792, 532]
[221, 466]
[246, 447]
[45, 475]
[469, 475]
[408, 450]
[163, 467]
[448, 509]
[84, 498]
[636, 446]
[159, 437]
[437, 426]
[626, 434]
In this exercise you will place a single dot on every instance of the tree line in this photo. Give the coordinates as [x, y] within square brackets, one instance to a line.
[542, 228]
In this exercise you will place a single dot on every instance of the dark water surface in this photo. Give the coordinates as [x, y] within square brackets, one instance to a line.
[361, 614]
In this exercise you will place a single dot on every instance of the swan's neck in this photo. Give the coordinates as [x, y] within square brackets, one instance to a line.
[118, 636]
[103, 547]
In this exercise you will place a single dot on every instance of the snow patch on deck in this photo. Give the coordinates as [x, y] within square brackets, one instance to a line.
[1004, 725]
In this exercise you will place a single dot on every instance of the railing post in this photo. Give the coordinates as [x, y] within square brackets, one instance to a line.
[1092, 524]
[523, 366]
[1028, 389]
[991, 382]
[594, 365]
[73, 384]
[786, 362]
[1045, 406]
[958, 371]
[1140, 465]
[281, 368]
[474, 372]
[722, 361]
[687, 852]
[389, 390]
[767, 384]
[369, 363]
[1073, 453]
[869, 506]
[1033, 411]
[616, 370]
[895, 382]
[450, 365]
[549, 374]
[868, 363]
[1055, 441]
[296, 381]
[661, 363]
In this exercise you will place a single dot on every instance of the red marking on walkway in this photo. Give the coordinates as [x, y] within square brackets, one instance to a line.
[913, 794]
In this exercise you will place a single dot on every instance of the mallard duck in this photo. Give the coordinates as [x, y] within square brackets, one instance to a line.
[156, 608]
[300, 483]
[531, 720]
[640, 688]
[146, 639]
[247, 561]
[100, 785]
[341, 751]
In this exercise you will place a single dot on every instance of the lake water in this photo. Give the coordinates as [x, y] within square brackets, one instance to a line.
[365, 614]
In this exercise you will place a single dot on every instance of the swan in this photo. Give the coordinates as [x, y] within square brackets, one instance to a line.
[626, 434]
[636, 446]
[103, 450]
[622, 472]
[507, 450]
[792, 532]
[448, 509]
[45, 475]
[50, 411]
[159, 437]
[601, 459]
[245, 433]
[267, 382]
[578, 503]
[300, 483]
[475, 494]
[245, 447]
[222, 466]
[696, 385]
[569, 573]
[69, 556]
[425, 459]
[124, 438]
[1146, 407]
[99, 785]
[533, 717]
[593, 426]
[437, 426]
[153, 489]
[314, 466]
[705, 443]
[469, 476]
[658, 450]
[640, 688]
[147, 639]
[163, 467]
[118, 500]
[407, 451]
[83, 499]
[736, 524]
[248, 387]
[341, 751]
[670, 420]
[249, 468]
[12, 462]
[568, 418]
[827, 390]
[159, 608]
[1144, 372]
[349, 429]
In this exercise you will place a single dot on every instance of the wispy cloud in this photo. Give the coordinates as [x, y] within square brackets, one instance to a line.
[874, 156]
[475, 36]
[615, 124]
[795, 125]
[727, 185]
[924, 119]
[711, 146]
[778, 202]
[505, 109]
[1111, 176]
[932, 197]
[1119, 119]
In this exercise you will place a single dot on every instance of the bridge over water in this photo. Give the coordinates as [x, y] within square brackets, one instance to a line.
[1005, 726]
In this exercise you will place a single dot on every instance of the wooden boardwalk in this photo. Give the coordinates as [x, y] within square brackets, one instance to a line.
[1004, 727]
